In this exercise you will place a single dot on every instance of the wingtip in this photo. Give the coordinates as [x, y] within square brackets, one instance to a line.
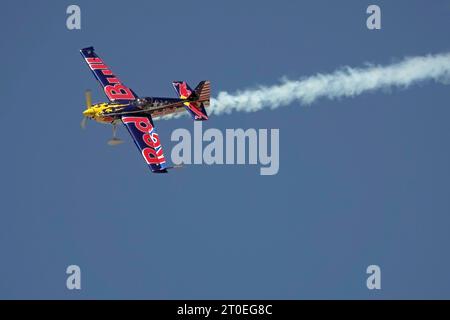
[87, 49]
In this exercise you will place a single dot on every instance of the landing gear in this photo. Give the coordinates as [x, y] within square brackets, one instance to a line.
[114, 141]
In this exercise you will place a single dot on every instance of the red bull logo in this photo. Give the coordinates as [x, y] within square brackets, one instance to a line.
[183, 90]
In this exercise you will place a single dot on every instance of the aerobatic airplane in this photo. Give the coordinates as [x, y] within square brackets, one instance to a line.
[136, 113]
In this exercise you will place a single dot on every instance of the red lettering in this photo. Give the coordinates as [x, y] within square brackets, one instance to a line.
[154, 153]
[150, 156]
[93, 60]
[113, 80]
[118, 92]
[153, 157]
[98, 66]
[141, 123]
[152, 140]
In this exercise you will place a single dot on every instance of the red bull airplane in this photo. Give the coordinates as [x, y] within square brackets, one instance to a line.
[136, 113]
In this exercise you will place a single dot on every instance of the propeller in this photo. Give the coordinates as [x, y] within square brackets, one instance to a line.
[83, 123]
[88, 96]
[114, 141]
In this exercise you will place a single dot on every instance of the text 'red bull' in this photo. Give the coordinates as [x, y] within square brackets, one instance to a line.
[153, 154]
[115, 90]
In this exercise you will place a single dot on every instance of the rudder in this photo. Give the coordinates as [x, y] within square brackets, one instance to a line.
[197, 99]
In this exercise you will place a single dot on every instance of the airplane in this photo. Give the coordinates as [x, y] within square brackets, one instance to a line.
[136, 113]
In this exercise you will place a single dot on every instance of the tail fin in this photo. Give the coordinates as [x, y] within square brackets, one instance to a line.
[203, 92]
[197, 99]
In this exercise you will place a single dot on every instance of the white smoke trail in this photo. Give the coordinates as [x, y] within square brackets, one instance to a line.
[345, 82]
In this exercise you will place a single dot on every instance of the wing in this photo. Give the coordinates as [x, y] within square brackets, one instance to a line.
[113, 87]
[141, 128]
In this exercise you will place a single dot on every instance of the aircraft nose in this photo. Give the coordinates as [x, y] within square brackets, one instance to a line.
[87, 112]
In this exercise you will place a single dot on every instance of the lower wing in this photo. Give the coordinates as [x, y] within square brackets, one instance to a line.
[141, 128]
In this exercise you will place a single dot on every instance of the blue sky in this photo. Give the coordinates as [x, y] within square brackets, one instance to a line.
[362, 181]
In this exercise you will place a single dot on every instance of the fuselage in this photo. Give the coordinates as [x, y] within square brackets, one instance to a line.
[109, 112]
[99, 112]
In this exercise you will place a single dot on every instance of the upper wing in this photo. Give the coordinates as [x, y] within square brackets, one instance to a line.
[114, 89]
[141, 128]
